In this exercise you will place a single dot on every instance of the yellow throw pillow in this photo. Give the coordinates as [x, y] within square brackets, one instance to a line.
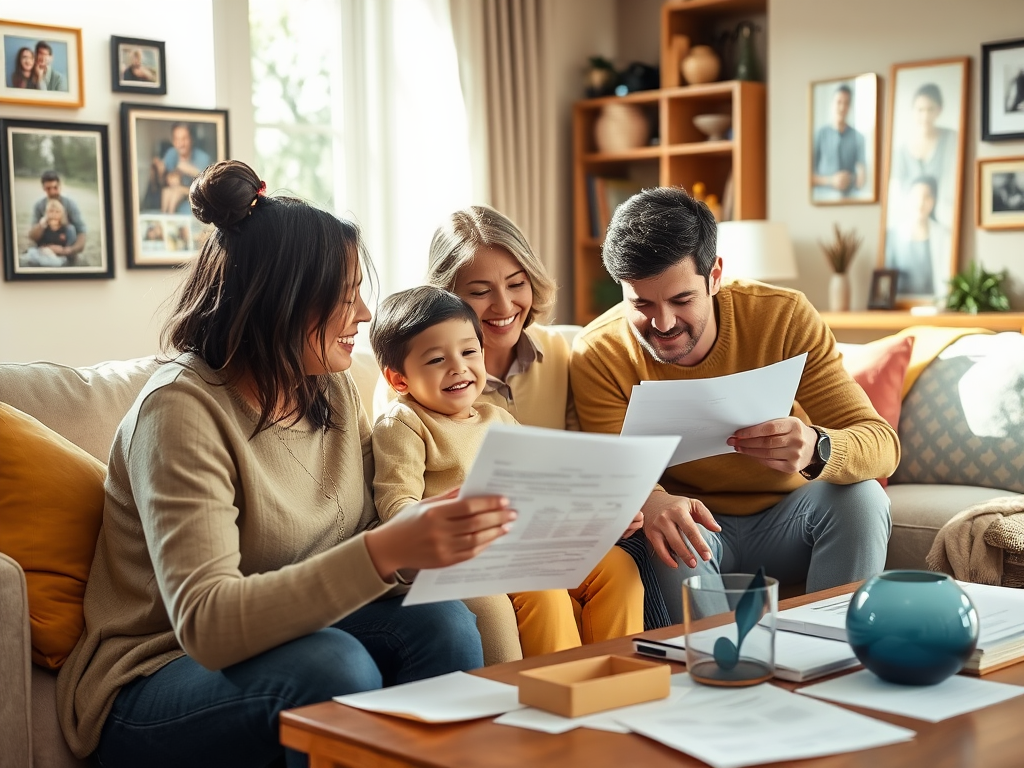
[51, 507]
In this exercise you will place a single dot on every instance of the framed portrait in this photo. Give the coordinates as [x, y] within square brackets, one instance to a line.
[923, 177]
[1002, 90]
[56, 200]
[137, 66]
[42, 65]
[844, 140]
[163, 150]
[884, 283]
[999, 193]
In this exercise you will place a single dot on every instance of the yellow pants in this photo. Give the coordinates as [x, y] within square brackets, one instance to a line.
[609, 603]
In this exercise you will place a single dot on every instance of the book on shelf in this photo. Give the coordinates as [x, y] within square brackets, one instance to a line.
[797, 657]
[1000, 618]
[595, 224]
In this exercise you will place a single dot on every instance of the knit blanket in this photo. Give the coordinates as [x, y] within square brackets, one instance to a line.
[983, 544]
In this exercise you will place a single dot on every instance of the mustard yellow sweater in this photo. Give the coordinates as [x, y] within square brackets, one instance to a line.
[216, 545]
[757, 325]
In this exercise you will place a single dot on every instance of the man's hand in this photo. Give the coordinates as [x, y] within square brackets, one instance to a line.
[668, 520]
[841, 180]
[636, 524]
[783, 444]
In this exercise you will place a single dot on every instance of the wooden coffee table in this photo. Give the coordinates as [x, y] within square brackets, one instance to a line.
[336, 735]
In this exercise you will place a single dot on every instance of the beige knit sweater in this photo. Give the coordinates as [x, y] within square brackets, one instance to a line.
[215, 544]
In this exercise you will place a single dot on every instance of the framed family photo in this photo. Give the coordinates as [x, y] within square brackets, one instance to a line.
[137, 66]
[1000, 193]
[56, 200]
[42, 65]
[923, 177]
[163, 150]
[883, 289]
[844, 140]
[1002, 90]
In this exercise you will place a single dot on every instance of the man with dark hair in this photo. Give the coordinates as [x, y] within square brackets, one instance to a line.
[47, 77]
[737, 511]
[839, 165]
[51, 186]
[180, 164]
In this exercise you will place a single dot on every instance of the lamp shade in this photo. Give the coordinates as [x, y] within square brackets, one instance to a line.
[756, 250]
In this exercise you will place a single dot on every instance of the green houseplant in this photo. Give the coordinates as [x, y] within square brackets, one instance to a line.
[975, 290]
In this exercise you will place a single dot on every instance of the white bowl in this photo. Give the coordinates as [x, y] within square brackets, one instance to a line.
[713, 126]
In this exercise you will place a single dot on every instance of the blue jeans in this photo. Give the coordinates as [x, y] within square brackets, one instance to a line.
[186, 715]
[821, 533]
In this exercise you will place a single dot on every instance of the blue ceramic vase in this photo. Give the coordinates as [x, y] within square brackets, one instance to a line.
[912, 627]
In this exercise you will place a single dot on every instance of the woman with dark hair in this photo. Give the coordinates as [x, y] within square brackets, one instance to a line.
[24, 75]
[241, 569]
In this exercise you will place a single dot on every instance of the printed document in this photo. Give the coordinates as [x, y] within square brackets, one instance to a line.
[575, 493]
[706, 412]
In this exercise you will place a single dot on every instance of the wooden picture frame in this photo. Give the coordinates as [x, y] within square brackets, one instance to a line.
[56, 200]
[154, 141]
[999, 193]
[138, 66]
[22, 44]
[1002, 90]
[884, 285]
[923, 178]
[844, 160]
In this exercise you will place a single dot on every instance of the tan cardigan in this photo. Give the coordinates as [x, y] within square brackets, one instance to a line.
[757, 325]
[216, 545]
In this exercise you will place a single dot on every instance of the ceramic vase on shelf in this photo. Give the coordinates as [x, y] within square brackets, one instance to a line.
[701, 65]
[621, 127]
[912, 627]
[839, 292]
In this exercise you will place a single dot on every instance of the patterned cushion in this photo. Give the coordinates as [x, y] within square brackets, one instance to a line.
[962, 422]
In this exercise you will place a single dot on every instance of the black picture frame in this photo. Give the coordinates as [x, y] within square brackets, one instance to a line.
[161, 229]
[884, 288]
[147, 75]
[1002, 90]
[80, 155]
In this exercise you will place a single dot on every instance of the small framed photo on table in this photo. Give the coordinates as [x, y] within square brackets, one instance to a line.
[137, 66]
[999, 193]
[1002, 90]
[163, 150]
[42, 65]
[883, 289]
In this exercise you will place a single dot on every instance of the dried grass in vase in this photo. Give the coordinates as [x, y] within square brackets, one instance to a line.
[842, 249]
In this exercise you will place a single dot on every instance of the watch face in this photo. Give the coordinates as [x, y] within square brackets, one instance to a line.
[824, 446]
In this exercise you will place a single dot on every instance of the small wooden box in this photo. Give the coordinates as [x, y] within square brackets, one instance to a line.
[578, 688]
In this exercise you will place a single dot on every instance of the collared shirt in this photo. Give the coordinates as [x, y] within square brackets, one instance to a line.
[527, 352]
[835, 151]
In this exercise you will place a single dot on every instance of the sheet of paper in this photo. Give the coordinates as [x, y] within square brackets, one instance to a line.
[953, 696]
[575, 493]
[444, 699]
[548, 722]
[735, 727]
[706, 412]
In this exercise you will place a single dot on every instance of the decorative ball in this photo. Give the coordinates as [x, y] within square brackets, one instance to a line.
[912, 627]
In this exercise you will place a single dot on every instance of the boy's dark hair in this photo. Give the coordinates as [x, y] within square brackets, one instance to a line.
[403, 316]
[656, 229]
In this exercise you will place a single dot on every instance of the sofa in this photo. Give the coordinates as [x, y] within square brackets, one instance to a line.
[945, 468]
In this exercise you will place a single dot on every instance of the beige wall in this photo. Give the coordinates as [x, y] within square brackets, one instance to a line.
[819, 39]
[80, 322]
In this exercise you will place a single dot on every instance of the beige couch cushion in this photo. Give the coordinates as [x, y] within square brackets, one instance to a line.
[85, 405]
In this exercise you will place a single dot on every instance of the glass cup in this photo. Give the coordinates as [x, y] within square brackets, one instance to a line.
[730, 628]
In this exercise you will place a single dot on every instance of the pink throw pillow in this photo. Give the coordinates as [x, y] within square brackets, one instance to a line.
[880, 367]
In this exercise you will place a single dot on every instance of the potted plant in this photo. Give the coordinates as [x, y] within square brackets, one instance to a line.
[975, 290]
[840, 252]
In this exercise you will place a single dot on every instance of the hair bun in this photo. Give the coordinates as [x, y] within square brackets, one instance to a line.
[223, 193]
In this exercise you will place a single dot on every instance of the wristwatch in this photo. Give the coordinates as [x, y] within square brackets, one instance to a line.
[822, 451]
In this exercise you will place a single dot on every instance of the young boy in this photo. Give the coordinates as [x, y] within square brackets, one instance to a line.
[429, 346]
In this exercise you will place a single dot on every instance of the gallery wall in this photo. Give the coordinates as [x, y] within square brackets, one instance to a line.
[84, 321]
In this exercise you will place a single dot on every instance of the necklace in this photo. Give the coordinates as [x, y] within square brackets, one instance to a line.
[336, 498]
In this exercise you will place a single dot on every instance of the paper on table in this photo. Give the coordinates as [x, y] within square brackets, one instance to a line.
[444, 699]
[575, 493]
[734, 727]
[953, 696]
[706, 412]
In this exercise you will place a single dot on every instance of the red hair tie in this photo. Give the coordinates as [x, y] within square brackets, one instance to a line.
[262, 191]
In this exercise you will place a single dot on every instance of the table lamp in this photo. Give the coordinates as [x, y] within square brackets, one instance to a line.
[756, 250]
